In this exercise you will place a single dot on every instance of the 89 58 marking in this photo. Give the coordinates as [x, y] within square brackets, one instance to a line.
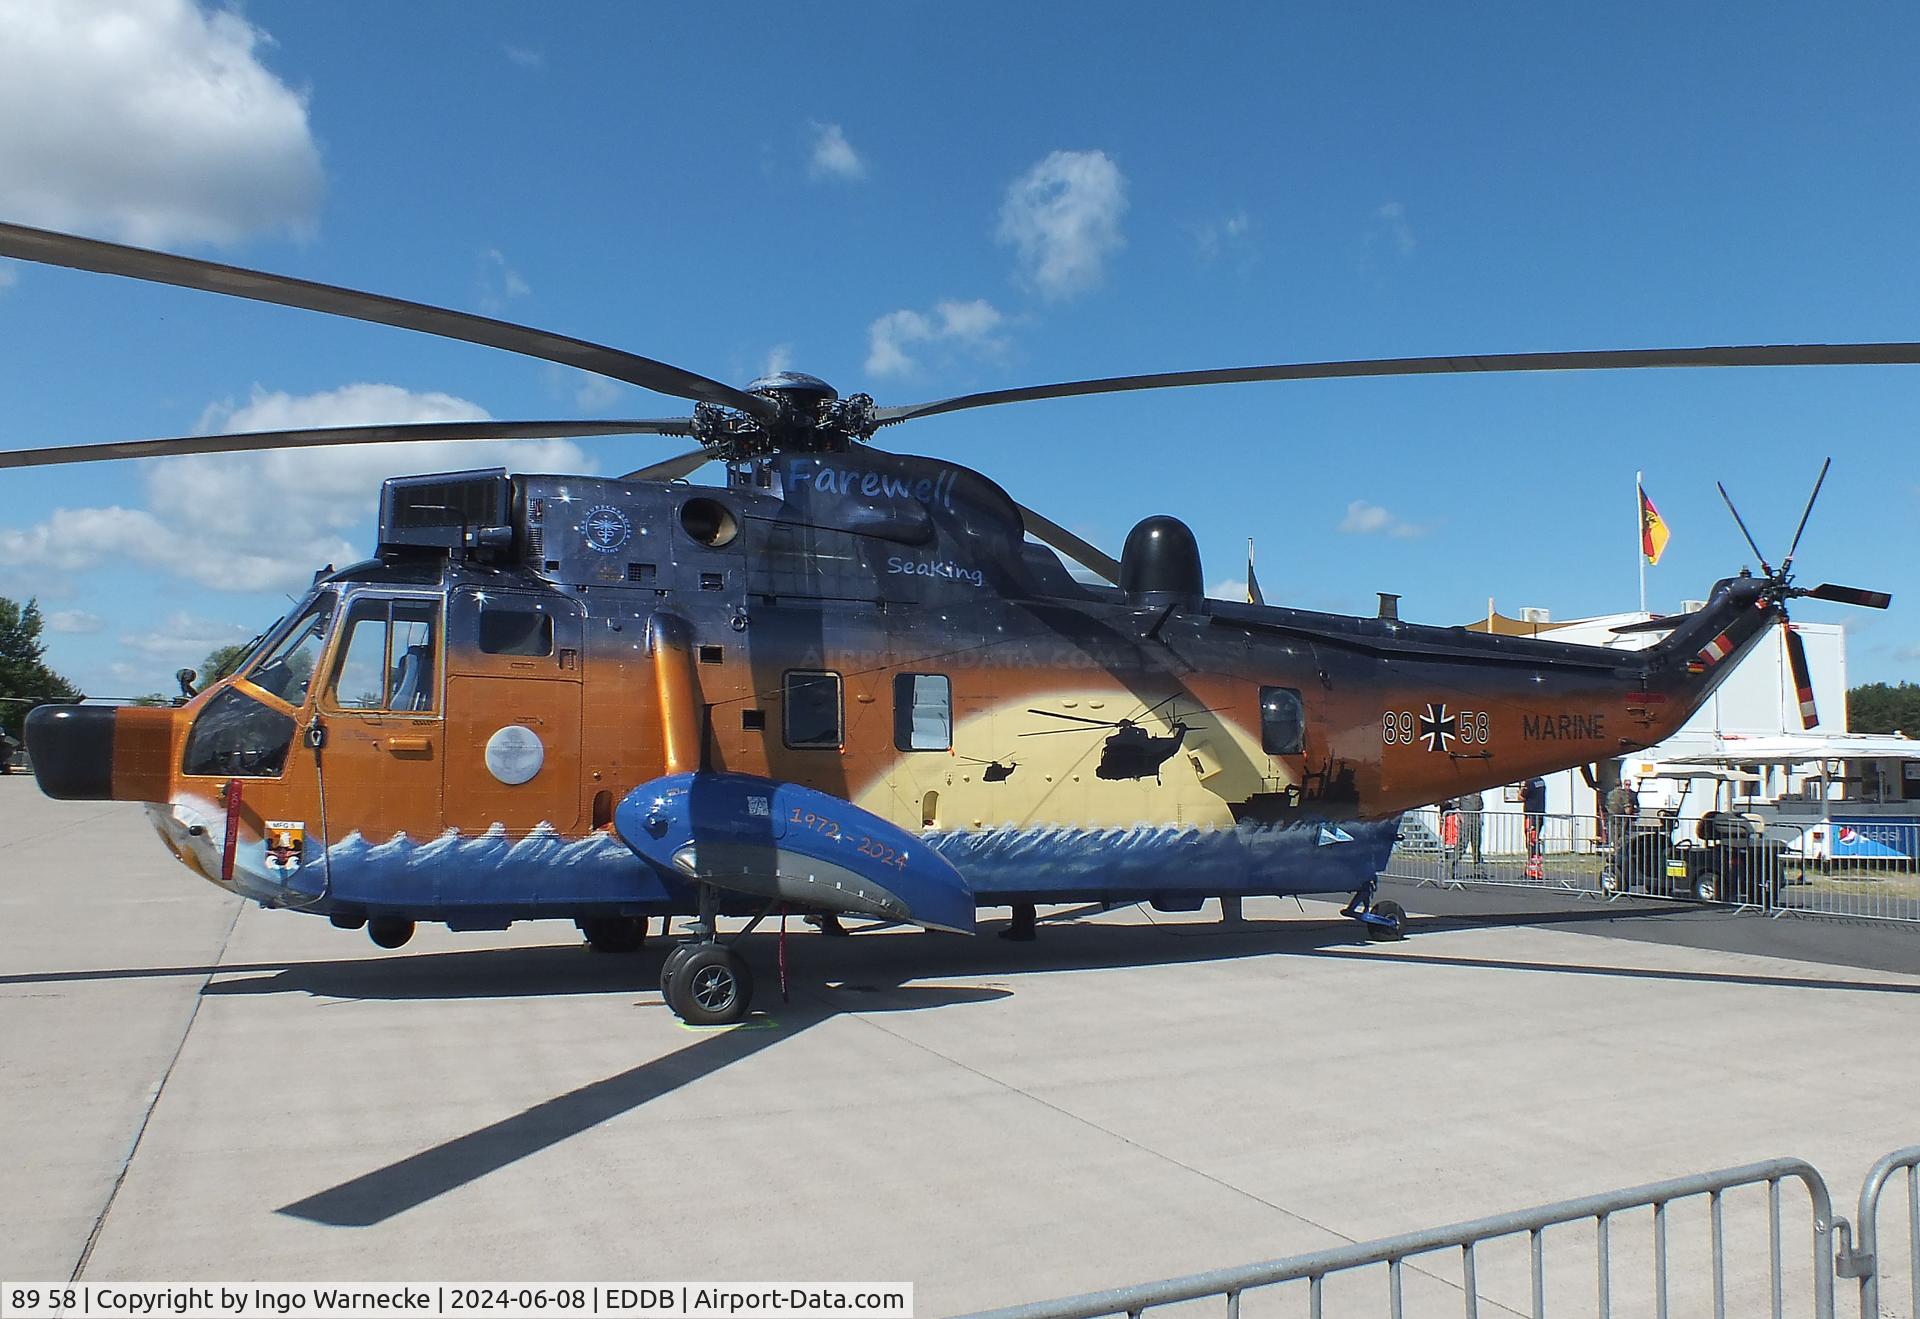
[1437, 728]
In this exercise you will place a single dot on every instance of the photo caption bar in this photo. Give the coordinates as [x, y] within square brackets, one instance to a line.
[449, 1300]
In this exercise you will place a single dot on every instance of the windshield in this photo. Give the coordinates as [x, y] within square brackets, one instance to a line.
[287, 666]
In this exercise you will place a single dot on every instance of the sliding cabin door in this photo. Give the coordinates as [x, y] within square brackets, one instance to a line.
[513, 712]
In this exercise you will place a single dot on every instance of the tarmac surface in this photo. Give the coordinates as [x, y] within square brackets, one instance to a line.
[194, 1090]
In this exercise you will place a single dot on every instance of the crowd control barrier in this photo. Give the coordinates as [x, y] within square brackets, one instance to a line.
[1685, 1270]
[1830, 866]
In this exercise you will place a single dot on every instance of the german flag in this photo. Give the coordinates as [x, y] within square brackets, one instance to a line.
[1653, 530]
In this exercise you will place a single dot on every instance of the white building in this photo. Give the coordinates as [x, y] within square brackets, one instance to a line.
[1757, 699]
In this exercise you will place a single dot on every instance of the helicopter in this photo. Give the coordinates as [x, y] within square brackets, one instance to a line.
[615, 700]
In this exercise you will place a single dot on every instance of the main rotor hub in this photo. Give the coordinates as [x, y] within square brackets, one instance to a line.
[810, 417]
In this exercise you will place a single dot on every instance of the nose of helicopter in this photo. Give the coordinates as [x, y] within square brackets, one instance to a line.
[102, 752]
[72, 750]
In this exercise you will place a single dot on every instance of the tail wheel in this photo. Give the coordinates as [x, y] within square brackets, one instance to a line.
[1394, 912]
[711, 986]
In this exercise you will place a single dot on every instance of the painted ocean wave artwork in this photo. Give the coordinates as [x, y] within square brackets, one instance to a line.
[544, 871]
[1301, 857]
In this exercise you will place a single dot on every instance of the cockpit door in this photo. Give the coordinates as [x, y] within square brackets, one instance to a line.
[513, 712]
[381, 704]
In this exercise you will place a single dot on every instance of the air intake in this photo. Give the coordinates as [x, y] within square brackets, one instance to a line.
[452, 511]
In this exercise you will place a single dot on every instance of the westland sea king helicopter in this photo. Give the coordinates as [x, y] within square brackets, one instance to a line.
[842, 683]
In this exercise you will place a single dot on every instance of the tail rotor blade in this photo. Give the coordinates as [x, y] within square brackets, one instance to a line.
[1742, 524]
[1802, 677]
[1793, 548]
[1850, 595]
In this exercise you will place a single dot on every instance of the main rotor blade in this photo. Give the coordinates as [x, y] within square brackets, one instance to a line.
[1048, 532]
[1802, 676]
[323, 436]
[1665, 624]
[1743, 529]
[672, 469]
[1849, 595]
[57, 249]
[1625, 359]
[1792, 549]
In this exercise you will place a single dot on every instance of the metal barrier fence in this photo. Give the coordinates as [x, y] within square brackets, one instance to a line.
[1462, 1243]
[1863, 1259]
[1830, 867]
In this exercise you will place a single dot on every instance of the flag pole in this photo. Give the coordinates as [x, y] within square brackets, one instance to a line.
[1639, 537]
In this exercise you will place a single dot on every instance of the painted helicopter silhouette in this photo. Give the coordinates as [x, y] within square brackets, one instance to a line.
[1130, 751]
[616, 700]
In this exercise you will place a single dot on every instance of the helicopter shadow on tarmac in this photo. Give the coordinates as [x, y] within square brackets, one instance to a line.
[876, 975]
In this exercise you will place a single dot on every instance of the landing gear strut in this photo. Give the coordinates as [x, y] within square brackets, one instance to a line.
[1383, 919]
[1020, 928]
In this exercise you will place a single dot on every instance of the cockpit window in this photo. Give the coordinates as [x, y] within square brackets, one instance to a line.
[387, 655]
[287, 669]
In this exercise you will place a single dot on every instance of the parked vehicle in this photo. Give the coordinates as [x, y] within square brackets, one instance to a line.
[1729, 859]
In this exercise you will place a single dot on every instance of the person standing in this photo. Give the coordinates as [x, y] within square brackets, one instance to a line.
[1533, 802]
[1622, 805]
[1450, 837]
[1470, 810]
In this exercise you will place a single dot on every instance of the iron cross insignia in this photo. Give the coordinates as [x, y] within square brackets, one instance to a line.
[1438, 729]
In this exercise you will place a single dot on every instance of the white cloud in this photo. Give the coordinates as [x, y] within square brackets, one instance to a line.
[151, 121]
[77, 622]
[967, 326]
[779, 358]
[525, 56]
[1234, 589]
[1364, 519]
[7, 276]
[265, 521]
[1390, 227]
[1229, 234]
[500, 283]
[833, 156]
[184, 639]
[1063, 219]
[597, 393]
[587, 391]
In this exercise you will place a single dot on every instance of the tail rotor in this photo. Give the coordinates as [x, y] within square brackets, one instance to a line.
[1781, 589]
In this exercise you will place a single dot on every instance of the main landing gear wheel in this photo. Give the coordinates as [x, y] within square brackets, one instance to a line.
[389, 931]
[614, 934]
[1394, 912]
[710, 986]
[677, 954]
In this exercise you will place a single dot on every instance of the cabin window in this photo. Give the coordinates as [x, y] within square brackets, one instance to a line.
[515, 629]
[1283, 721]
[387, 656]
[813, 709]
[922, 712]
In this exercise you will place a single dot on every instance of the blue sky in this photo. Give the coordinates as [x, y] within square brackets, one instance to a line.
[919, 200]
